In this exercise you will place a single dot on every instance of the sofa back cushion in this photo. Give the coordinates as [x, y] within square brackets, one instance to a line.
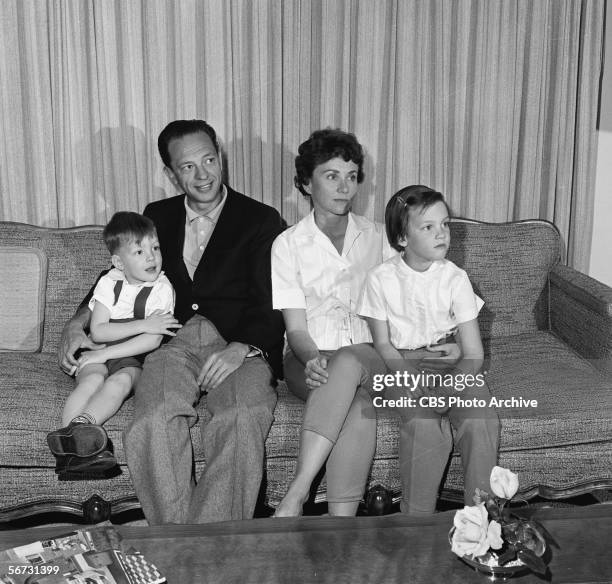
[508, 265]
[23, 282]
[74, 257]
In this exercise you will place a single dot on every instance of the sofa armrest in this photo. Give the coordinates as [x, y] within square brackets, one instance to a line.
[581, 314]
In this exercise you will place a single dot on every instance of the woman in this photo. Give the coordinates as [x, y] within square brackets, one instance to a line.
[318, 270]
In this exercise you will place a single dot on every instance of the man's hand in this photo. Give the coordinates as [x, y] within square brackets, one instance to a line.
[158, 323]
[89, 358]
[221, 364]
[73, 339]
[316, 372]
[442, 356]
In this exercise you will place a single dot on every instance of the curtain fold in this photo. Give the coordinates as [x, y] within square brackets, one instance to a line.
[492, 102]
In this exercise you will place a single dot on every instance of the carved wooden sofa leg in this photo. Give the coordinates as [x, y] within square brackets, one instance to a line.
[96, 509]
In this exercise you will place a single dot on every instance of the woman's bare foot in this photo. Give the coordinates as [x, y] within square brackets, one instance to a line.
[291, 504]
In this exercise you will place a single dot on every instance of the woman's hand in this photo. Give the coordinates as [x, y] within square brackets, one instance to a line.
[304, 348]
[316, 372]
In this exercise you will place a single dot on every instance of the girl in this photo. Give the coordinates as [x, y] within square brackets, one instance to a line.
[411, 302]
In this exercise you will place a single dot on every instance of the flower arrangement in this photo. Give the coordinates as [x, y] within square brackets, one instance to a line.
[490, 534]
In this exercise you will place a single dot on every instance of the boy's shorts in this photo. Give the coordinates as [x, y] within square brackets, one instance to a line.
[113, 365]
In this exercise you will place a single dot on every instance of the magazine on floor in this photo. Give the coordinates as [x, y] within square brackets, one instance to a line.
[95, 555]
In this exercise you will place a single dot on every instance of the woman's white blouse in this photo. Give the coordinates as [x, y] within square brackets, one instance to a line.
[309, 273]
[420, 307]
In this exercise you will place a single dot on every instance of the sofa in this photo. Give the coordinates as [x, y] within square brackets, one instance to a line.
[547, 331]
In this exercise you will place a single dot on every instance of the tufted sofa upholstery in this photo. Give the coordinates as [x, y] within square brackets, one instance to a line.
[547, 331]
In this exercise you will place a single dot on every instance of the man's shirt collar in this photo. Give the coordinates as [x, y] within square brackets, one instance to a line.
[212, 215]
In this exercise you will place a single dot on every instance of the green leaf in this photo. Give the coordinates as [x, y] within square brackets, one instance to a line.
[544, 533]
[494, 513]
[506, 557]
[531, 538]
[533, 562]
[506, 515]
[510, 532]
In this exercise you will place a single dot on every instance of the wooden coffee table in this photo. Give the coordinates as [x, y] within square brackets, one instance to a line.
[393, 548]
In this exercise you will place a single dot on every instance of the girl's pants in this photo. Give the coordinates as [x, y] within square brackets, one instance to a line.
[426, 442]
[341, 410]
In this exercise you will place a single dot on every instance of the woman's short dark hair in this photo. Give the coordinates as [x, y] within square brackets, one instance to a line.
[323, 145]
[126, 226]
[397, 212]
[179, 129]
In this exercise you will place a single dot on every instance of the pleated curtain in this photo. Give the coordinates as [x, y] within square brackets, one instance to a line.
[492, 102]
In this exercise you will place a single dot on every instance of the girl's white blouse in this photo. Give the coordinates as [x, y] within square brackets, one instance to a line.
[420, 307]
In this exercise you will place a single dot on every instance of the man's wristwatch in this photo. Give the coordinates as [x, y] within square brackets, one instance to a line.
[255, 352]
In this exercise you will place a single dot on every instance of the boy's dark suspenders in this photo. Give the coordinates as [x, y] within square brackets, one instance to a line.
[140, 302]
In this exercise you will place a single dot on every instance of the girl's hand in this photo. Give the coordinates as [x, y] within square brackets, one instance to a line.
[442, 356]
[316, 372]
[160, 324]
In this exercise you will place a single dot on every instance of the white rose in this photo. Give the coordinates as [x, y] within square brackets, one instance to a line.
[504, 483]
[471, 531]
[494, 535]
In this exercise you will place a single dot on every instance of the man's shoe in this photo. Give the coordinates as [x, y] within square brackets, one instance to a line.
[78, 440]
[102, 465]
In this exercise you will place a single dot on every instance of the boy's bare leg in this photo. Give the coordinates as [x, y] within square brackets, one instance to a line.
[81, 449]
[105, 402]
[89, 381]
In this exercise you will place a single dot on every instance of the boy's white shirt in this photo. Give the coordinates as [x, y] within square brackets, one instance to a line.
[161, 297]
[420, 307]
[308, 273]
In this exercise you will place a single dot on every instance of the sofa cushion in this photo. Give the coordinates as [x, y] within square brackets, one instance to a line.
[75, 257]
[508, 265]
[574, 398]
[34, 391]
[574, 413]
[23, 278]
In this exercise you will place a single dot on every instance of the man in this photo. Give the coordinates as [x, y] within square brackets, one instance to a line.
[215, 245]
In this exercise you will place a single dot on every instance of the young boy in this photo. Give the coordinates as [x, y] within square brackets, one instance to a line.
[132, 309]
